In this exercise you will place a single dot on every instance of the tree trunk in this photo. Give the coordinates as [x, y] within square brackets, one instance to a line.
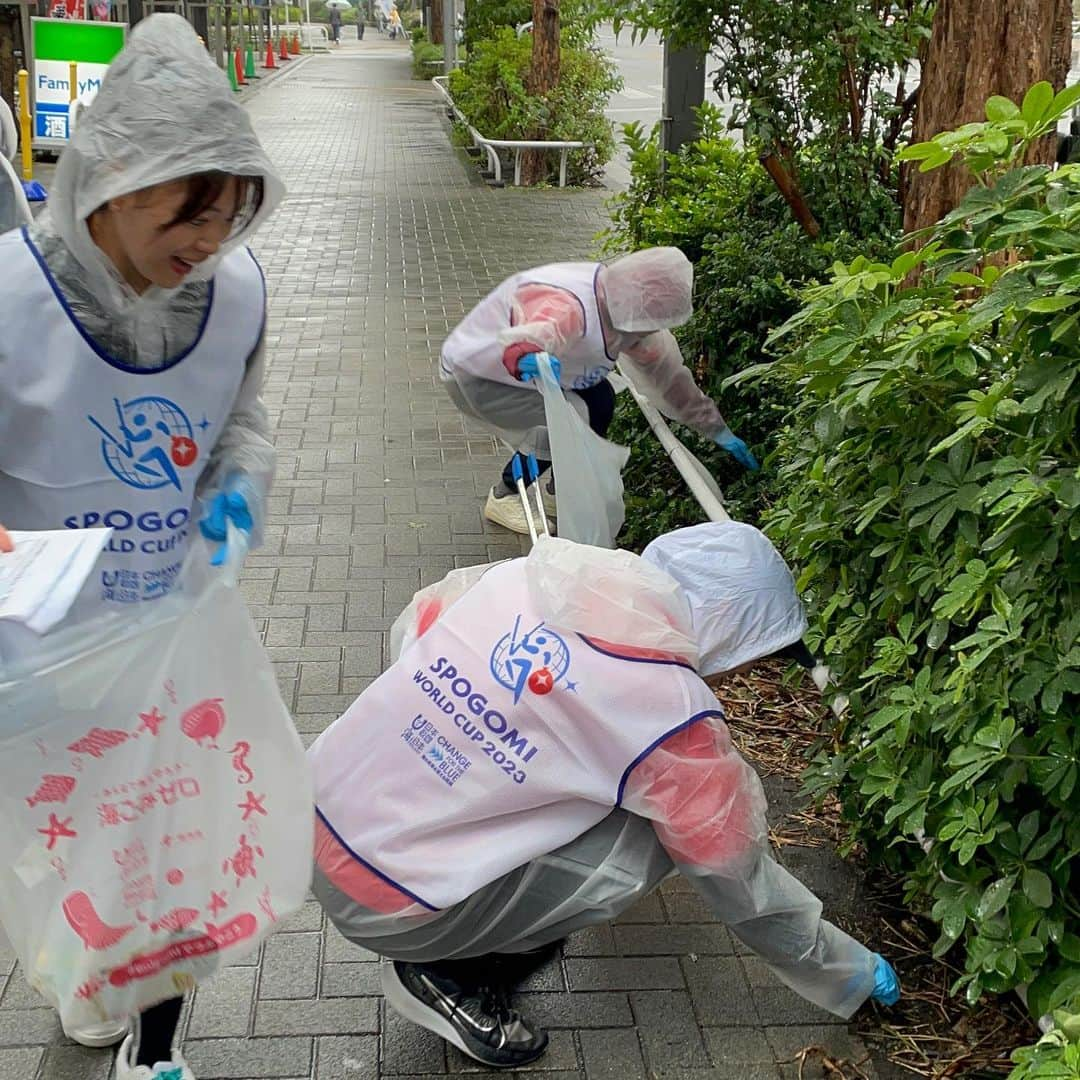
[978, 49]
[436, 28]
[788, 186]
[543, 78]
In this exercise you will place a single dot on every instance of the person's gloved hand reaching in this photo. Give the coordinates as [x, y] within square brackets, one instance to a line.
[529, 367]
[886, 983]
[727, 440]
[236, 502]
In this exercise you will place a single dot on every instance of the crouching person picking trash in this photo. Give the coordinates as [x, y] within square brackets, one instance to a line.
[131, 360]
[587, 316]
[542, 754]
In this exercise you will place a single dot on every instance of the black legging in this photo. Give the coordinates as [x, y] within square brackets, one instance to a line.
[599, 400]
[155, 1032]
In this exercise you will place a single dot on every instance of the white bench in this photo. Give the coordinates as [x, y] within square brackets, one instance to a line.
[492, 146]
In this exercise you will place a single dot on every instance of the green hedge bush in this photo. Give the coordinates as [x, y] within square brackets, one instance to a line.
[931, 474]
[422, 52]
[490, 91]
[714, 201]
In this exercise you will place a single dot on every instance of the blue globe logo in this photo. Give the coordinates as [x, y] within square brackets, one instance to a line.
[146, 444]
[535, 659]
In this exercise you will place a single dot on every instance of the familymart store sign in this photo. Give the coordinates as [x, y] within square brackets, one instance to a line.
[56, 44]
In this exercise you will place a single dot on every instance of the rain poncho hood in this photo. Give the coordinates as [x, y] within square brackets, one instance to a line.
[9, 135]
[164, 112]
[648, 290]
[14, 210]
[741, 592]
[612, 595]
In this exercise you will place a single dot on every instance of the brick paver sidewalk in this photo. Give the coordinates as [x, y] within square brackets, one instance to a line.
[386, 240]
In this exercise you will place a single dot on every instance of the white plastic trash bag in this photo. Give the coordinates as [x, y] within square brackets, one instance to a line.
[588, 470]
[155, 803]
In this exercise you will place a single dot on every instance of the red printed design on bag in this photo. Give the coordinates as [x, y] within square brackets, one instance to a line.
[215, 938]
[151, 721]
[242, 861]
[57, 829]
[84, 920]
[178, 919]
[130, 810]
[239, 762]
[253, 804]
[174, 876]
[52, 789]
[266, 905]
[219, 901]
[131, 859]
[139, 891]
[204, 721]
[90, 988]
[97, 740]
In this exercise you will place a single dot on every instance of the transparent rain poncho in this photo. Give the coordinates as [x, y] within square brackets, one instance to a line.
[739, 588]
[164, 112]
[648, 290]
[692, 806]
[14, 209]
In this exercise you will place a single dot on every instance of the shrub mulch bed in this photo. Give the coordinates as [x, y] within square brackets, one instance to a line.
[929, 1033]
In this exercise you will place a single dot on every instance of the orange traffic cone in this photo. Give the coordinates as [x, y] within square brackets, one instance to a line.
[270, 63]
[238, 62]
[283, 49]
[294, 45]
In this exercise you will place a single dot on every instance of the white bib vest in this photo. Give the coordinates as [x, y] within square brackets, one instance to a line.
[86, 441]
[473, 348]
[493, 740]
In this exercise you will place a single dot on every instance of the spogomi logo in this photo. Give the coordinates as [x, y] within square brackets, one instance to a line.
[535, 659]
[148, 442]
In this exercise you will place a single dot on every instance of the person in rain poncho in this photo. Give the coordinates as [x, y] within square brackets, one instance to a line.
[542, 753]
[587, 316]
[14, 209]
[132, 351]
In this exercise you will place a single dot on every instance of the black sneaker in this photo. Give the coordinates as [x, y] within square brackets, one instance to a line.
[479, 1022]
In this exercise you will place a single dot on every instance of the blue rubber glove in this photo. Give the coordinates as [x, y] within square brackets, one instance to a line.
[731, 442]
[529, 367]
[886, 984]
[234, 503]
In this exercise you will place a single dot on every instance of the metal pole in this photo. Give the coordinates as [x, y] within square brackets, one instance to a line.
[449, 37]
[26, 130]
[684, 91]
[219, 38]
[198, 13]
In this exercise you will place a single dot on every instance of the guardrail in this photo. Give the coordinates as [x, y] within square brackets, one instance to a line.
[492, 146]
[313, 36]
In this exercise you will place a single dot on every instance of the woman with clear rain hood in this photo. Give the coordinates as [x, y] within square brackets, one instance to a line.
[132, 321]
